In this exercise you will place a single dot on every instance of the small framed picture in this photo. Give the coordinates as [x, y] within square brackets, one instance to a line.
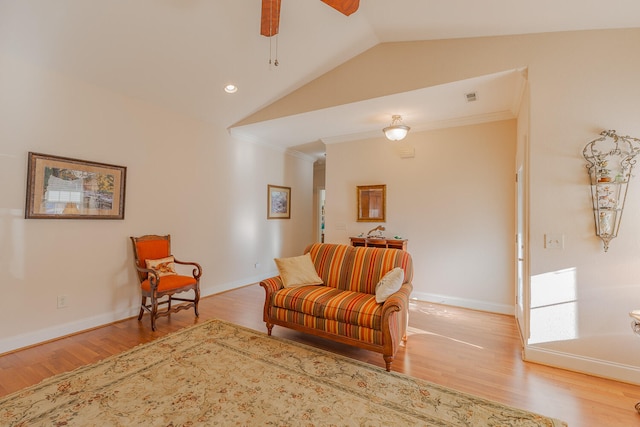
[64, 188]
[278, 202]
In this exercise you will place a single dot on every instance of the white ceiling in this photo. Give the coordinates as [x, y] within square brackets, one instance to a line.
[179, 54]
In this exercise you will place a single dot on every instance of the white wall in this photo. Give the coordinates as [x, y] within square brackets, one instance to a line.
[184, 177]
[453, 201]
[580, 83]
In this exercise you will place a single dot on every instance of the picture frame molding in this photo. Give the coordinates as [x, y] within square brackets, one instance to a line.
[371, 203]
[85, 206]
[278, 212]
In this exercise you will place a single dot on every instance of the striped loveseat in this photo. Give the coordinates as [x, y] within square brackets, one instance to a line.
[344, 307]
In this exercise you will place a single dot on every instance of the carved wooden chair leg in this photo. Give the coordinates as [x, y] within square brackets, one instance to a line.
[196, 300]
[269, 328]
[154, 313]
[142, 305]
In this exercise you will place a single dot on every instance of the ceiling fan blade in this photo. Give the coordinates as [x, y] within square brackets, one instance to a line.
[270, 20]
[346, 7]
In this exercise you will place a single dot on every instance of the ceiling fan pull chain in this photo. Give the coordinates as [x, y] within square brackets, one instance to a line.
[271, 35]
[276, 61]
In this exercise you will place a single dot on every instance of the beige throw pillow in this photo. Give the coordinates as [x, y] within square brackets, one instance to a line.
[162, 266]
[389, 284]
[298, 271]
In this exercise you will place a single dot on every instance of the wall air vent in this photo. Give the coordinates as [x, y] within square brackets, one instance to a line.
[406, 152]
[471, 96]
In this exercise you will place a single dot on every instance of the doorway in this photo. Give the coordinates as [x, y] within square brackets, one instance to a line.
[321, 199]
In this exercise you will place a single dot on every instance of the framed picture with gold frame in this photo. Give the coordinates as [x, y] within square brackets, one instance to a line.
[372, 203]
[278, 202]
[65, 188]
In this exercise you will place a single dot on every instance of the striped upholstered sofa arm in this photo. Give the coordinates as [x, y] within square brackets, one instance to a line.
[395, 321]
[271, 286]
[400, 299]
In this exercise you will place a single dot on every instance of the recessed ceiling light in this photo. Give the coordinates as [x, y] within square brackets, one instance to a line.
[231, 88]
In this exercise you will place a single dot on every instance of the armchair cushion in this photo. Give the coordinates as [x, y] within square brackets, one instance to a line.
[389, 284]
[163, 266]
[297, 271]
[170, 282]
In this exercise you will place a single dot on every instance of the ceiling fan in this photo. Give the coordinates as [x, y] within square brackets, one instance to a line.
[270, 20]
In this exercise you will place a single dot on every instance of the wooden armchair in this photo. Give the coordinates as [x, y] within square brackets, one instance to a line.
[158, 277]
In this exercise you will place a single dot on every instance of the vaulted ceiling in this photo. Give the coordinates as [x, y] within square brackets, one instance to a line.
[179, 54]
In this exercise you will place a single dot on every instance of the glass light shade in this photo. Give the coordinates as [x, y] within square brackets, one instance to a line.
[396, 130]
[396, 133]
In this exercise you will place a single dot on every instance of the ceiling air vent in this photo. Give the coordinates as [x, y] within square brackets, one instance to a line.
[471, 96]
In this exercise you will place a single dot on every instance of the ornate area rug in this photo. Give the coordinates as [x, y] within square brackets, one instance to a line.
[219, 374]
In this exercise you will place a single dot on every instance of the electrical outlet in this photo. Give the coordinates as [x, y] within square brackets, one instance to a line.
[554, 241]
[62, 301]
[256, 265]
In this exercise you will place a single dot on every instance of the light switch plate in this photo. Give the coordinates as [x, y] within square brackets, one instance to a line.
[554, 241]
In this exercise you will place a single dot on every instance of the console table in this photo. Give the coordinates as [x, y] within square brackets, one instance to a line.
[379, 243]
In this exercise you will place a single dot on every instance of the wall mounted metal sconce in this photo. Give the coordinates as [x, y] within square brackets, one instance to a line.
[611, 159]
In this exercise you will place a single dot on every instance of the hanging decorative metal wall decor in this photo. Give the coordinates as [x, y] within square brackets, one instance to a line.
[611, 159]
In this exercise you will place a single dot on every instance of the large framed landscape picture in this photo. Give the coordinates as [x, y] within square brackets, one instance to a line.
[65, 188]
[279, 202]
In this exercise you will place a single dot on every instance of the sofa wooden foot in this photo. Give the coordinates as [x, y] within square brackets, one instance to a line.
[269, 328]
[638, 407]
[387, 361]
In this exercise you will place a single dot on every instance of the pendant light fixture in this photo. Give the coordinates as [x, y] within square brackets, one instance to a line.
[396, 130]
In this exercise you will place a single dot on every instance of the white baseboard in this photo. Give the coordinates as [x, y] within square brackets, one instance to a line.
[31, 338]
[223, 287]
[465, 303]
[58, 331]
[585, 365]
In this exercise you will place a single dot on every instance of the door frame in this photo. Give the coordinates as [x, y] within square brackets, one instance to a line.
[522, 261]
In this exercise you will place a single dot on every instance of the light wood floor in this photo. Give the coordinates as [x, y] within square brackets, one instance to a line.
[469, 351]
